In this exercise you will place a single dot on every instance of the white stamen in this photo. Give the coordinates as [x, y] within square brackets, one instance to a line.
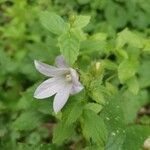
[68, 77]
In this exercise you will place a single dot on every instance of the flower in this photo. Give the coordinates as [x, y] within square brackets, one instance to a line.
[64, 82]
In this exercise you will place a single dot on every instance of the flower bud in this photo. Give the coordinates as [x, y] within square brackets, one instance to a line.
[147, 144]
[97, 65]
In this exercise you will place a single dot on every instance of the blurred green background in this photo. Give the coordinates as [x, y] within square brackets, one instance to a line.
[26, 123]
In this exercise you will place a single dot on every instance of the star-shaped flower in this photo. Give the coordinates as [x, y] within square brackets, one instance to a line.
[64, 82]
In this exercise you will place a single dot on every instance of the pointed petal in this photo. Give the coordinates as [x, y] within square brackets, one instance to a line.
[76, 89]
[61, 98]
[60, 62]
[77, 86]
[49, 88]
[48, 70]
[74, 76]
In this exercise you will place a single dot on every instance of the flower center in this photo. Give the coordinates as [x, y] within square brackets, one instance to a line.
[68, 77]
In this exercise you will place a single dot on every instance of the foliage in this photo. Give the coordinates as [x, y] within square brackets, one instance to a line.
[108, 42]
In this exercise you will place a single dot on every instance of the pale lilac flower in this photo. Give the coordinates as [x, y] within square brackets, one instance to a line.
[64, 82]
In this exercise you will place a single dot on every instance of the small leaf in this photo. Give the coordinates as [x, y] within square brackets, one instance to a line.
[133, 85]
[126, 70]
[53, 22]
[62, 132]
[69, 47]
[128, 37]
[111, 88]
[81, 21]
[146, 46]
[121, 53]
[94, 107]
[99, 36]
[98, 92]
[109, 64]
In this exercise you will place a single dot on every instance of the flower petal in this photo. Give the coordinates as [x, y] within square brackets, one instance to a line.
[76, 89]
[77, 86]
[61, 98]
[60, 62]
[49, 88]
[48, 70]
[74, 76]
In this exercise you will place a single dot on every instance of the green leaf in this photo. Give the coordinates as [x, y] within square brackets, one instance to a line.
[69, 47]
[117, 114]
[136, 134]
[98, 92]
[27, 121]
[121, 53]
[62, 132]
[94, 147]
[124, 141]
[131, 104]
[115, 141]
[111, 88]
[128, 37]
[34, 138]
[94, 128]
[81, 21]
[113, 114]
[146, 46]
[53, 22]
[99, 36]
[72, 111]
[126, 70]
[144, 74]
[94, 107]
[109, 64]
[133, 85]
[27, 101]
[78, 33]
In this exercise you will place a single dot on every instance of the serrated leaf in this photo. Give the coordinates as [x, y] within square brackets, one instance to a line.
[81, 21]
[98, 92]
[121, 53]
[94, 107]
[69, 47]
[94, 128]
[111, 88]
[126, 70]
[62, 132]
[99, 36]
[79, 34]
[109, 64]
[53, 22]
[128, 37]
[72, 111]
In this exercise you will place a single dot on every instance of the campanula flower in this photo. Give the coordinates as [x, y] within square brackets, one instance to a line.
[63, 82]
